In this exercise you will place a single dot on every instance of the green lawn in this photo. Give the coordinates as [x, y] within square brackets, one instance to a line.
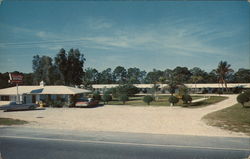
[235, 118]
[163, 101]
[9, 121]
[209, 101]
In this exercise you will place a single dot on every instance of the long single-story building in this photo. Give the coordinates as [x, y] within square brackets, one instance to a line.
[210, 87]
[34, 94]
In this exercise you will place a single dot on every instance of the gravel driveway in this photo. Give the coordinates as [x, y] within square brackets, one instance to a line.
[140, 119]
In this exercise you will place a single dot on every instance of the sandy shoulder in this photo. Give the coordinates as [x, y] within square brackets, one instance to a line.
[156, 120]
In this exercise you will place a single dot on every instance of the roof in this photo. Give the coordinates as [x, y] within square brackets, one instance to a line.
[42, 90]
[200, 85]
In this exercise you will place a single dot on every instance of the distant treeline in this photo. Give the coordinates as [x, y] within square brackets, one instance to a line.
[67, 68]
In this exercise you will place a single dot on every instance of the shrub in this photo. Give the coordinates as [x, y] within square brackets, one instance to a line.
[182, 90]
[96, 96]
[186, 98]
[123, 98]
[205, 91]
[173, 100]
[148, 99]
[219, 91]
[242, 98]
[247, 93]
[106, 97]
[57, 104]
[72, 100]
[171, 87]
[127, 89]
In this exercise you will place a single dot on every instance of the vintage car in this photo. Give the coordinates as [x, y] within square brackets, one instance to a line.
[14, 106]
[86, 102]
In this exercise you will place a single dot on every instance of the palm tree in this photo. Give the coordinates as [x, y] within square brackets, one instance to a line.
[196, 79]
[222, 72]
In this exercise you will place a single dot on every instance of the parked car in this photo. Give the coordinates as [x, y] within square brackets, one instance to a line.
[14, 106]
[86, 102]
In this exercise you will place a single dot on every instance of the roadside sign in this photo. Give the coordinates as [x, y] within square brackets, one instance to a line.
[15, 78]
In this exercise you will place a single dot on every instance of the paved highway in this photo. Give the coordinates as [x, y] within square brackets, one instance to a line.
[27, 143]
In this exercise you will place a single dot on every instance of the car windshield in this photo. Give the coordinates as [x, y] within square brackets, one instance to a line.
[82, 100]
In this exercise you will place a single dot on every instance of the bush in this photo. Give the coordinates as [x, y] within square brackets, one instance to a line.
[106, 97]
[173, 100]
[72, 100]
[123, 98]
[205, 91]
[127, 89]
[220, 91]
[182, 90]
[96, 96]
[148, 99]
[247, 93]
[57, 104]
[186, 98]
[242, 98]
[172, 87]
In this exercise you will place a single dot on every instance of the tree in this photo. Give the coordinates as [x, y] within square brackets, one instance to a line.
[183, 90]
[120, 75]
[61, 63]
[123, 98]
[28, 79]
[4, 80]
[126, 89]
[43, 69]
[96, 95]
[106, 97]
[154, 91]
[173, 100]
[168, 74]
[197, 72]
[91, 76]
[195, 79]
[75, 67]
[153, 77]
[186, 98]
[135, 75]
[181, 74]
[222, 71]
[105, 77]
[172, 86]
[242, 76]
[148, 99]
[211, 77]
[243, 98]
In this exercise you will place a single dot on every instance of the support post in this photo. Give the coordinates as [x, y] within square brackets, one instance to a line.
[17, 94]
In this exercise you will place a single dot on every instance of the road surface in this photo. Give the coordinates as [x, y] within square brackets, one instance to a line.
[30, 143]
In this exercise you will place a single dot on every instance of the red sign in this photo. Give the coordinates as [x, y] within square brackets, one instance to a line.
[16, 78]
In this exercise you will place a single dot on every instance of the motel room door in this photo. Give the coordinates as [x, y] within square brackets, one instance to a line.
[33, 98]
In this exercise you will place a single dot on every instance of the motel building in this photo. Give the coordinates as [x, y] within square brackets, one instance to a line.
[35, 94]
[193, 88]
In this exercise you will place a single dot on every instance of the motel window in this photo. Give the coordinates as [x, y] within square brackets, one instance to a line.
[5, 98]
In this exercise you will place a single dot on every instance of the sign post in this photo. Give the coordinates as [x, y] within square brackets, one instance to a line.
[16, 79]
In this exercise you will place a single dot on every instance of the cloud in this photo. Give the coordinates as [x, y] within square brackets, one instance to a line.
[41, 34]
[180, 36]
[98, 23]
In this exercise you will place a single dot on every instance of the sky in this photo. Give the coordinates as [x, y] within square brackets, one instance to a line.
[144, 34]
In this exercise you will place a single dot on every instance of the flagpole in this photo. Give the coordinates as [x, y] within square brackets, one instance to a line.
[17, 95]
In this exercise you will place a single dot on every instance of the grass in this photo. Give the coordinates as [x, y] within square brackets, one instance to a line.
[163, 101]
[235, 118]
[209, 101]
[9, 121]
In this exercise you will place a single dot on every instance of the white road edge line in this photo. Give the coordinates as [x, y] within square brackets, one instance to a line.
[126, 143]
